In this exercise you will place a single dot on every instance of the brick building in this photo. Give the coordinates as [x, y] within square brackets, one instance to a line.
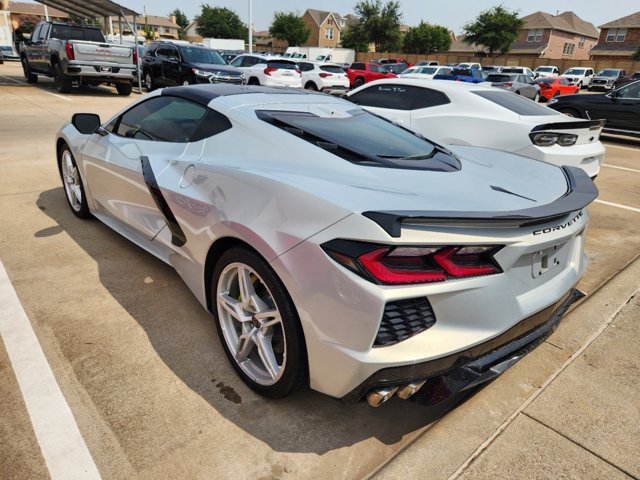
[619, 39]
[23, 11]
[326, 28]
[562, 37]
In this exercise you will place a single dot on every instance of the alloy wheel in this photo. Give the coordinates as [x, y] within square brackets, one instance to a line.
[251, 324]
[71, 181]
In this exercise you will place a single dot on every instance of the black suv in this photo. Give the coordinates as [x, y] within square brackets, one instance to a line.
[167, 64]
[620, 108]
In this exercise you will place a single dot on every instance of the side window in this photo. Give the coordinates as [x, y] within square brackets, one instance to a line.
[42, 35]
[36, 33]
[173, 53]
[162, 52]
[305, 67]
[358, 66]
[249, 61]
[589, 72]
[630, 91]
[564, 81]
[426, 97]
[236, 62]
[170, 119]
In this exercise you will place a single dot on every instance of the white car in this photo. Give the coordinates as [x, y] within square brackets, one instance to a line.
[519, 70]
[546, 71]
[580, 76]
[269, 71]
[324, 77]
[456, 113]
[469, 66]
[425, 72]
[332, 248]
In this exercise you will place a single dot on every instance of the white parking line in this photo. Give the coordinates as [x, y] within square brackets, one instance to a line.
[621, 168]
[63, 448]
[633, 209]
[44, 91]
[635, 149]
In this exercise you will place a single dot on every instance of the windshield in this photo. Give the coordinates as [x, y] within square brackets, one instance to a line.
[497, 78]
[201, 55]
[428, 70]
[607, 73]
[68, 32]
[575, 71]
[544, 69]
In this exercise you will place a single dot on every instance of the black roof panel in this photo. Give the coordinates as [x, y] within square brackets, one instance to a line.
[203, 94]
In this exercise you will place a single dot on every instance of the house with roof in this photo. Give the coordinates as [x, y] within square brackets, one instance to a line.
[326, 28]
[31, 12]
[619, 39]
[561, 37]
[162, 27]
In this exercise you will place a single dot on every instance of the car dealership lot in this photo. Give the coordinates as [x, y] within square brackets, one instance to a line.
[153, 395]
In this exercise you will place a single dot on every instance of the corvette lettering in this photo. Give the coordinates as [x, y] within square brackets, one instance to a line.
[559, 227]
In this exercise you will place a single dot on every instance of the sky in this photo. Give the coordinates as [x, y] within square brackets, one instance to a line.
[452, 14]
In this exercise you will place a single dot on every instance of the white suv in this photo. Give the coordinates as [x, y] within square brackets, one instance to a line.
[269, 71]
[544, 71]
[325, 77]
[580, 76]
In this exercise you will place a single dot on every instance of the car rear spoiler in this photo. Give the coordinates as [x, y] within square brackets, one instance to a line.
[580, 193]
[591, 124]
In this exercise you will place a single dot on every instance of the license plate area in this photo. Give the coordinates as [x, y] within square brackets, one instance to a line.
[105, 69]
[544, 261]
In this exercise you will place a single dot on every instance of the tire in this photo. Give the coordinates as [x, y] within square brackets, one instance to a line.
[258, 337]
[253, 81]
[124, 89]
[589, 88]
[72, 183]
[571, 112]
[148, 81]
[63, 83]
[579, 86]
[358, 82]
[536, 97]
[311, 86]
[28, 75]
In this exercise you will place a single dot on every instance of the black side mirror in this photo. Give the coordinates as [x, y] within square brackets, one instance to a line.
[86, 123]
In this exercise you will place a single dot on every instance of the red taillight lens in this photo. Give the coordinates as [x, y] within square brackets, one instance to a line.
[69, 49]
[268, 70]
[509, 84]
[408, 265]
[135, 57]
[324, 75]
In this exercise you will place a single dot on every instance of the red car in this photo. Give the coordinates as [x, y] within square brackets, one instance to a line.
[552, 87]
[361, 73]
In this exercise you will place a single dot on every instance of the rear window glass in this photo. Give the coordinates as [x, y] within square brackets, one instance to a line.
[281, 64]
[68, 32]
[545, 80]
[498, 78]
[331, 69]
[512, 70]
[364, 138]
[515, 103]
[465, 72]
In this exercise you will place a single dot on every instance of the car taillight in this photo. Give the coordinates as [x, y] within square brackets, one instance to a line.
[409, 265]
[298, 72]
[324, 75]
[135, 57]
[268, 70]
[69, 49]
[544, 139]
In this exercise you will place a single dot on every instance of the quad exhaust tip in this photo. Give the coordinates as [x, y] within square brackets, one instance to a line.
[375, 398]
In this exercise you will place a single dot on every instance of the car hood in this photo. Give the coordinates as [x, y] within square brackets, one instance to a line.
[211, 67]
[489, 180]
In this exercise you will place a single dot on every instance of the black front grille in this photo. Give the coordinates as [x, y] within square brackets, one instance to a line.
[403, 319]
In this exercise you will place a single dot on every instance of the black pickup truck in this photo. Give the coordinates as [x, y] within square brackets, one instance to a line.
[76, 54]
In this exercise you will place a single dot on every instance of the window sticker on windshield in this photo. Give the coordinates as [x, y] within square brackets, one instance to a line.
[395, 89]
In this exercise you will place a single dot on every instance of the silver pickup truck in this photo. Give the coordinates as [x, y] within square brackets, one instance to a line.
[76, 54]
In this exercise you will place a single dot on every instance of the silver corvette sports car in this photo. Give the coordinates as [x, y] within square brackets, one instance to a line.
[333, 247]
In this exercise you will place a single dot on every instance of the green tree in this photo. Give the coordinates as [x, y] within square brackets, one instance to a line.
[353, 37]
[380, 23]
[220, 22]
[495, 29]
[425, 39]
[289, 27]
[183, 22]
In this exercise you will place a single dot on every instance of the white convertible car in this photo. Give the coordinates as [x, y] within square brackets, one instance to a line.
[333, 248]
[456, 113]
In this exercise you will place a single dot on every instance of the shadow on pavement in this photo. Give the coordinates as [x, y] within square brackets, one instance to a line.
[184, 336]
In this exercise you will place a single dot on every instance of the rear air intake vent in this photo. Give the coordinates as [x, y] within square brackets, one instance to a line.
[403, 319]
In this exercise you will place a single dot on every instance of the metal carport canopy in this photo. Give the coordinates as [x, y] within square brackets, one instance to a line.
[90, 9]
